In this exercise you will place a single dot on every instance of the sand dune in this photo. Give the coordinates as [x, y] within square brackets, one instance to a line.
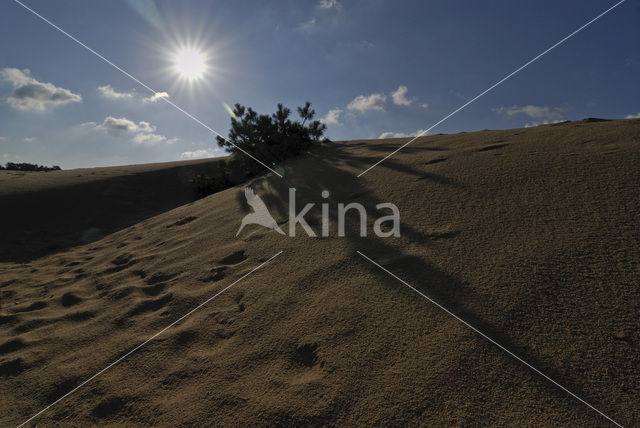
[58, 209]
[531, 235]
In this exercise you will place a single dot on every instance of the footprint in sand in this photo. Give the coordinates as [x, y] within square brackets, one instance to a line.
[70, 299]
[183, 221]
[216, 274]
[122, 262]
[8, 319]
[492, 147]
[7, 294]
[151, 305]
[185, 337]
[142, 274]
[109, 406]
[31, 325]
[433, 161]
[239, 302]
[13, 367]
[79, 316]
[35, 306]
[160, 277]
[234, 258]
[306, 354]
[12, 346]
[153, 290]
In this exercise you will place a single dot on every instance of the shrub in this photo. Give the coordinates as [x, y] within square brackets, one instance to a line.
[205, 185]
[270, 138]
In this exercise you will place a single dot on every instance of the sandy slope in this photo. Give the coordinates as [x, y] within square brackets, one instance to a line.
[55, 210]
[532, 235]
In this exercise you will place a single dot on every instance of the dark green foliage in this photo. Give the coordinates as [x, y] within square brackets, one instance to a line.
[270, 138]
[11, 166]
[205, 185]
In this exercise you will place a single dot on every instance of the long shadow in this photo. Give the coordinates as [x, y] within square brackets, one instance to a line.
[322, 174]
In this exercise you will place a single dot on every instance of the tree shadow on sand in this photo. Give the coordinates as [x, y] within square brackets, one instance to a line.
[321, 172]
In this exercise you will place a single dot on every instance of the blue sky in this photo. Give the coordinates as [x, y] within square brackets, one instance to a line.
[370, 68]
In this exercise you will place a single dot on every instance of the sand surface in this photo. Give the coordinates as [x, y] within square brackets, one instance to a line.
[531, 235]
[55, 210]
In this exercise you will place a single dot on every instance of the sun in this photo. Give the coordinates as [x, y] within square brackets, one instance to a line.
[190, 63]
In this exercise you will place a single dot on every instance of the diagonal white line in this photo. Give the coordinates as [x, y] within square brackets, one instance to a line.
[150, 339]
[492, 87]
[165, 99]
[490, 340]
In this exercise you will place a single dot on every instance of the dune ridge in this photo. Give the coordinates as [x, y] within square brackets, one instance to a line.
[531, 235]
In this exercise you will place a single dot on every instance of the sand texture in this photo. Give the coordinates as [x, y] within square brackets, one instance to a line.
[531, 235]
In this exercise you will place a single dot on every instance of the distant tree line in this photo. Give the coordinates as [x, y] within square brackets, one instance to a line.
[268, 138]
[23, 166]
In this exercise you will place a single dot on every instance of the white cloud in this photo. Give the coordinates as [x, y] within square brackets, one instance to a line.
[332, 117]
[198, 154]
[371, 102]
[309, 25]
[87, 125]
[544, 122]
[30, 139]
[31, 95]
[330, 4]
[393, 135]
[111, 123]
[365, 44]
[108, 92]
[148, 138]
[633, 116]
[420, 132]
[534, 112]
[155, 97]
[399, 96]
[3, 139]
[144, 131]
[424, 105]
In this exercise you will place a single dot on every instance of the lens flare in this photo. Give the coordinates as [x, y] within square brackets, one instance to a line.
[229, 110]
